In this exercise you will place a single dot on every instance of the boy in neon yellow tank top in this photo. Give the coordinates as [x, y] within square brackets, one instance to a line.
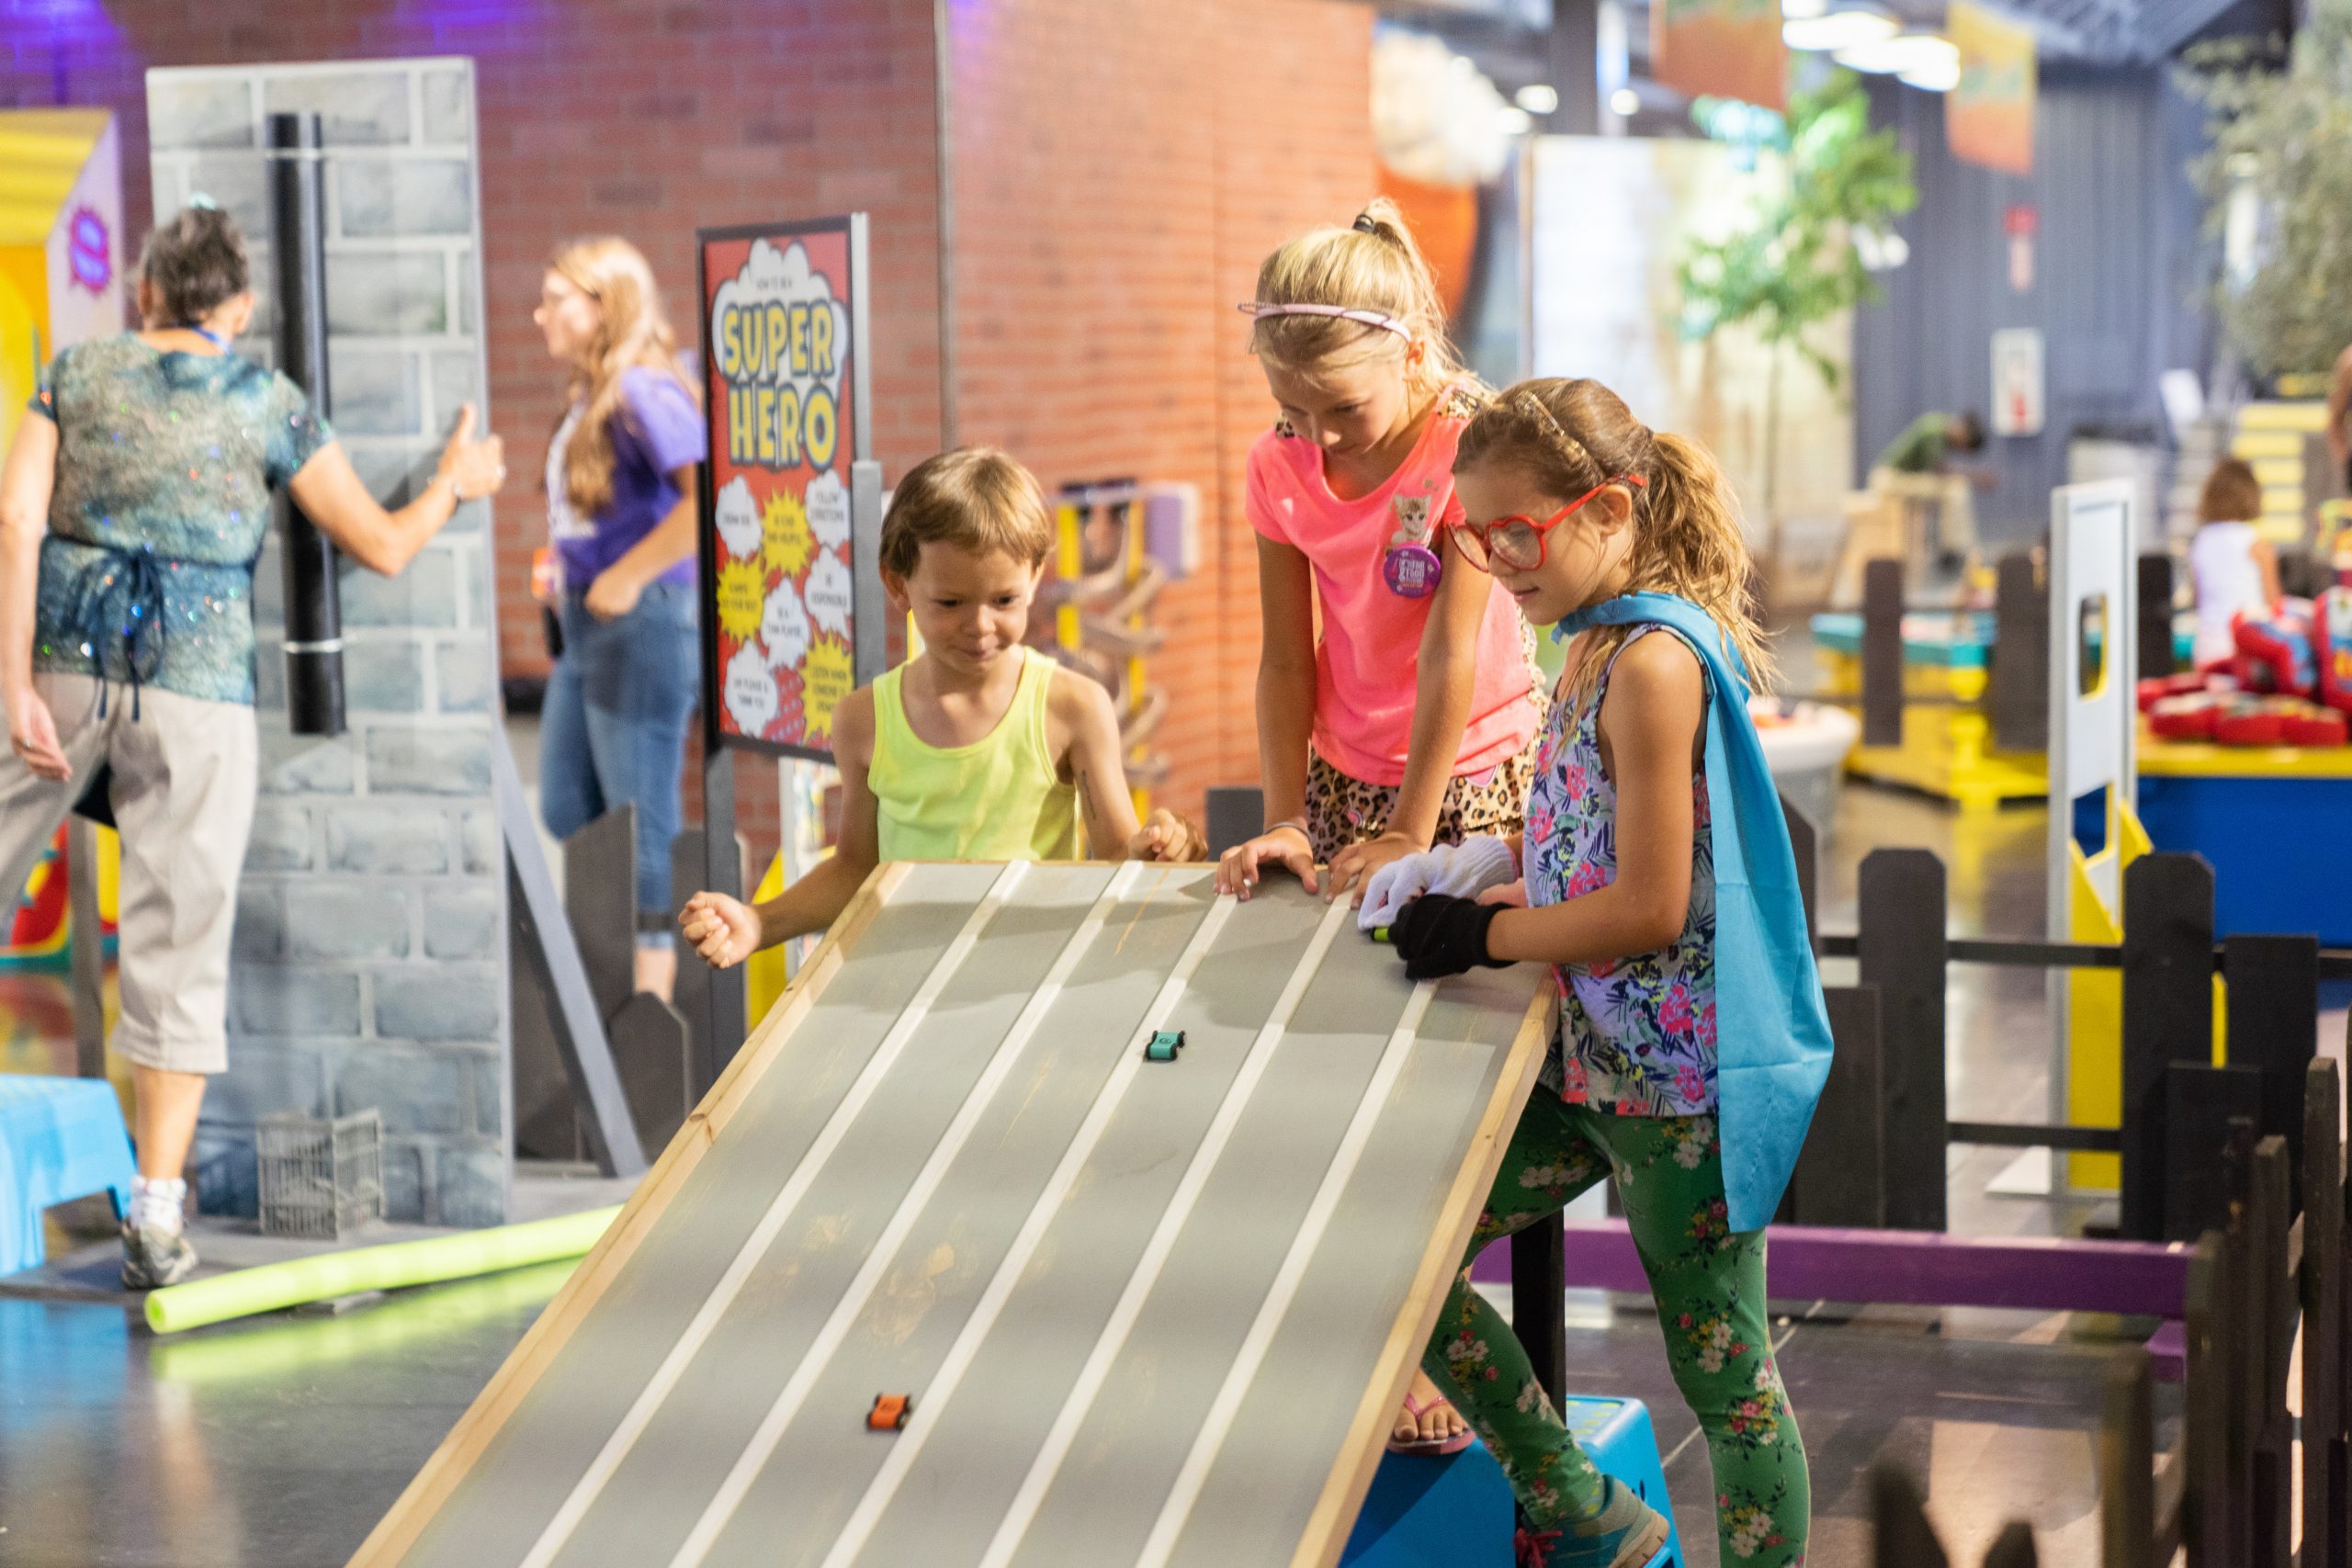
[976, 748]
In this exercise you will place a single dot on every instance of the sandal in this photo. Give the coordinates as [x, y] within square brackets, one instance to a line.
[1426, 1446]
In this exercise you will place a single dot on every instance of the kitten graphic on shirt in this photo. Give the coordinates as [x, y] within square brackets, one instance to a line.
[1412, 520]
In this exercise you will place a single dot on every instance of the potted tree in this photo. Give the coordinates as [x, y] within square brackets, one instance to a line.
[1809, 254]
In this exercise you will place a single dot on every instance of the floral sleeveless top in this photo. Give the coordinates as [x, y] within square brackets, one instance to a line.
[1636, 1037]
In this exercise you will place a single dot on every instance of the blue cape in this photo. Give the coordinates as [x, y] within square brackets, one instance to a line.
[1772, 1026]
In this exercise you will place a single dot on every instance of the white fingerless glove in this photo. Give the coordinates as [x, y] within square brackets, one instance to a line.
[1462, 871]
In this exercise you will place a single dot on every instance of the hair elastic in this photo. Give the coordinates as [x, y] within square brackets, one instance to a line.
[1261, 309]
[1366, 223]
[199, 202]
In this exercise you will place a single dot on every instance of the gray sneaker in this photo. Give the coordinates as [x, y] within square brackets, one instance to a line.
[152, 1258]
[1627, 1533]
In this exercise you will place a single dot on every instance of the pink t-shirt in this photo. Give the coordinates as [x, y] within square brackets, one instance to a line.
[1368, 662]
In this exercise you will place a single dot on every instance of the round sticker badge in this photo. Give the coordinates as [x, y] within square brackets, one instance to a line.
[1411, 571]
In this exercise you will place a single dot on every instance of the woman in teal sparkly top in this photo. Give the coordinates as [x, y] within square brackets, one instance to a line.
[131, 512]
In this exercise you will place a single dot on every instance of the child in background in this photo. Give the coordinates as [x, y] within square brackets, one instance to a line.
[1692, 1039]
[1412, 719]
[976, 748]
[2230, 565]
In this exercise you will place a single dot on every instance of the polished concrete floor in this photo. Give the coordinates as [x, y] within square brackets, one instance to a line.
[279, 1443]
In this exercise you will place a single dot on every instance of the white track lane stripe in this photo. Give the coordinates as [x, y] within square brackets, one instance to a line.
[1218, 1424]
[763, 1445]
[966, 1348]
[673, 1366]
[1097, 1370]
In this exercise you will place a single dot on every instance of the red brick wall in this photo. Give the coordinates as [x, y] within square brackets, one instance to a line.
[625, 115]
[1119, 170]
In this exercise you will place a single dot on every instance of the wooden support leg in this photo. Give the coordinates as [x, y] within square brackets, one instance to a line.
[1538, 1299]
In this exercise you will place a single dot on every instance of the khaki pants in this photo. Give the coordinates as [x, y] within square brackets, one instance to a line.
[183, 777]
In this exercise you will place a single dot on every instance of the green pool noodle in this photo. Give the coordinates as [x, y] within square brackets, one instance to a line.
[273, 1286]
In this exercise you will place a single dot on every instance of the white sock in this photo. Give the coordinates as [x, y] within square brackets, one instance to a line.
[158, 1205]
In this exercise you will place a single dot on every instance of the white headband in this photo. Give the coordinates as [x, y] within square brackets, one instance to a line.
[1261, 309]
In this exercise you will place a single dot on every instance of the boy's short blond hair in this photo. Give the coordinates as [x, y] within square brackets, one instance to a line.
[975, 498]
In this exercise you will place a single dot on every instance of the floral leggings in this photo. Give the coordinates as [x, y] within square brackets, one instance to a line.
[1710, 1288]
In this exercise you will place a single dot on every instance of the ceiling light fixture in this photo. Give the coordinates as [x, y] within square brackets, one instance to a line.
[1538, 97]
[1839, 29]
[1926, 53]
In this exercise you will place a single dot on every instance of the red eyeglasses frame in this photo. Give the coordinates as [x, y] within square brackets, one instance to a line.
[1485, 533]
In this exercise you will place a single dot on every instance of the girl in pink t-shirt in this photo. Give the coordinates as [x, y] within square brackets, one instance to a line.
[1411, 718]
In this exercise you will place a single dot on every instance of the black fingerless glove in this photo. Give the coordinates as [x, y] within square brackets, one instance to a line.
[1437, 935]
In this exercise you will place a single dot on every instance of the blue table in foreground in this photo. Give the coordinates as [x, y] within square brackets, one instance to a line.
[1456, 1511]
[60, 1138]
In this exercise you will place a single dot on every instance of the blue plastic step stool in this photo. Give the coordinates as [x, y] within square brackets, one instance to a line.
[1456, 1511]
[1616, 1435]
[60, 1138]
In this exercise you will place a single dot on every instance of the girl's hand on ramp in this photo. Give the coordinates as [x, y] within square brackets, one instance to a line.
[1167, 836]
[724, 931]
[1284, 844]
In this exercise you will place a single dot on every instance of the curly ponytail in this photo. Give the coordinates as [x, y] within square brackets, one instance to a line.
[1570, 437]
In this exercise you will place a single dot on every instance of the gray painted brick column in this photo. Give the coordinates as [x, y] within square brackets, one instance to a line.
[370, 965]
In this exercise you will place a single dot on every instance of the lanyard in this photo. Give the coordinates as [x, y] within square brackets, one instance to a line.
[208, 334]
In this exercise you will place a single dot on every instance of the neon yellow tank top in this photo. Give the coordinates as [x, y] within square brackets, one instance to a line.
[998, 798]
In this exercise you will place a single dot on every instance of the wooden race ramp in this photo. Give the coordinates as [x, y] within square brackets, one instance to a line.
[1157, 1312]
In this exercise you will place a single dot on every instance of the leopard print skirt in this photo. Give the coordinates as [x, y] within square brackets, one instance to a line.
[1343, 810]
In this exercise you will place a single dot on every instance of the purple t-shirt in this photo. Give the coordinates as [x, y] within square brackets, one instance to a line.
[659, 430]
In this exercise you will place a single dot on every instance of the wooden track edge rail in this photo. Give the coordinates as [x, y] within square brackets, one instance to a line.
[1344, 1489]
[398, 1533]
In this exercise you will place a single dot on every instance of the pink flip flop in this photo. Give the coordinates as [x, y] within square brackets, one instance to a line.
[1425, 1446]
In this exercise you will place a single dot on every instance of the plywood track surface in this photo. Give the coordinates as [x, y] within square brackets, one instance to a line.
[1147, 1312]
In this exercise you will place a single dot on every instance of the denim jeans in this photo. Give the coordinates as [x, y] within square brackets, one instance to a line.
[614, 730]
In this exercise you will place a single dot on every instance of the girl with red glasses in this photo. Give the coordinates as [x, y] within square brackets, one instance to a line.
[1660, 886]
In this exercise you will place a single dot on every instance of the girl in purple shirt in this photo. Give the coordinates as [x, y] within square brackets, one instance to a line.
[620, 483]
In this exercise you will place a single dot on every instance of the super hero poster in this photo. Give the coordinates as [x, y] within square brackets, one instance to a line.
[784, 346]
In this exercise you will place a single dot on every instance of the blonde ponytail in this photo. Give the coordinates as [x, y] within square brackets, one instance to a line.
[1572, 437]
[1373, 264]
[631, 332]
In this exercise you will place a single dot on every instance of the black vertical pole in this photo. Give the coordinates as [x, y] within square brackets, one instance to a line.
[2273, 1011]
[1882, 653]
[1904, 955]
[297, 154]
[2154, 586]
[1539, 1305]
[2018, 688]
[2167, 1017]
[722, 873]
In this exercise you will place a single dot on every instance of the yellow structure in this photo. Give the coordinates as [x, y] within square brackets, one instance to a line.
[60, 241]
[1946, 747]
[2270, 435]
